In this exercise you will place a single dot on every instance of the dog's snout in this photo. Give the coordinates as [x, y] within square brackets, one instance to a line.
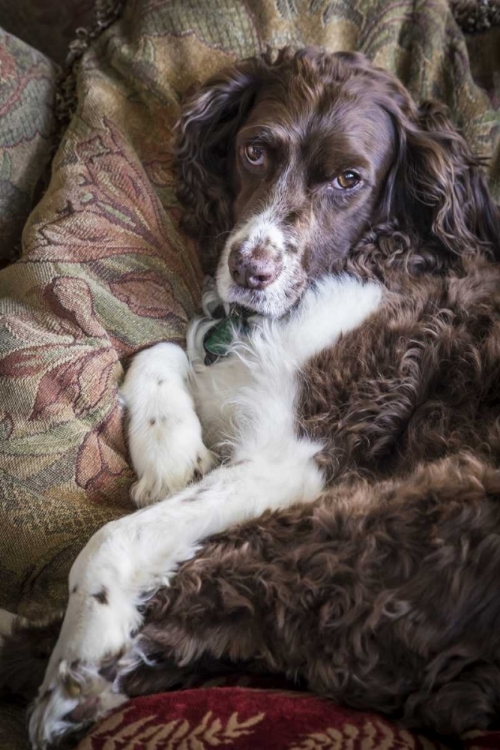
[254, 271]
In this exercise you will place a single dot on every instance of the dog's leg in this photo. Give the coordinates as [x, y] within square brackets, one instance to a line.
[165, 436]
[136, 554]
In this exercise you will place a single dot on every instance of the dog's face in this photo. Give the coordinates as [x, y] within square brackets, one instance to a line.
[307, 170]
[287, 164]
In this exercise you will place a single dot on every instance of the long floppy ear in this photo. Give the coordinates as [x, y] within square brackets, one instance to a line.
[209, 121]
[441, 185]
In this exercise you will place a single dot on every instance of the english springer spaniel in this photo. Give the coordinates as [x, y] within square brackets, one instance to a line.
[354, 410]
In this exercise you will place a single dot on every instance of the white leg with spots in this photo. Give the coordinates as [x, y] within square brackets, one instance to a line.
[141, 552]
[165, 438]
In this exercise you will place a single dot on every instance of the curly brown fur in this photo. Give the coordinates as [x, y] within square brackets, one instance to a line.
[419, 382]
[385, 594]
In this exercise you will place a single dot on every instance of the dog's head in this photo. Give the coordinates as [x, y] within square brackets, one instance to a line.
[285, 163]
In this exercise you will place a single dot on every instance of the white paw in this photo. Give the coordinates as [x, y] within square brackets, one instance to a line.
[96, 633]
[165, 436]
[75, 696]
[181, 464]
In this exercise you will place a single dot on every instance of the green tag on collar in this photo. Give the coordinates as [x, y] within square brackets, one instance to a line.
[219, 338]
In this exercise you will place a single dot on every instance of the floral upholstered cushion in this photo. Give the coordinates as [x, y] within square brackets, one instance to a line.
[27, 130]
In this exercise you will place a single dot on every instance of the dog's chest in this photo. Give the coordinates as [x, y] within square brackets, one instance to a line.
[256, 387]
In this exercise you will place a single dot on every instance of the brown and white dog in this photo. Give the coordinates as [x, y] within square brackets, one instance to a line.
[360, 414]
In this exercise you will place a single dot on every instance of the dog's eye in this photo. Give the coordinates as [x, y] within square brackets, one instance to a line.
[255, 155]
[346, 180]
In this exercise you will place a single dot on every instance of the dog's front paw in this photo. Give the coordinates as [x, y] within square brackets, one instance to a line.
[165, 437]
[74, 696]
[181, 464]
[102, 616]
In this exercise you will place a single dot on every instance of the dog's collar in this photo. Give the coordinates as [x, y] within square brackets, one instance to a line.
[219, 338]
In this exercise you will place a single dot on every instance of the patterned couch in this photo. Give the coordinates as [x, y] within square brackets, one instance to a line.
[105, 271]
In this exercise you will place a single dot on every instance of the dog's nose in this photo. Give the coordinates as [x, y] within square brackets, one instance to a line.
[253, 272]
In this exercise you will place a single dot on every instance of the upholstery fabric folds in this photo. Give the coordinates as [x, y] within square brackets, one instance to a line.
[27, 135]
[105, 270]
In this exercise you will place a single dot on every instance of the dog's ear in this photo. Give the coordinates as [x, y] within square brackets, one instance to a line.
[440, 184]
[209, 121]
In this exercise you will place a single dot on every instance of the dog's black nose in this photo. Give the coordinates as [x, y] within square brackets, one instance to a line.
[254, 271]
